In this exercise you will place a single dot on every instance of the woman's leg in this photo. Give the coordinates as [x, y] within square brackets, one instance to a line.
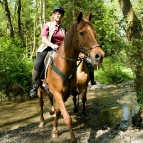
[38, 67]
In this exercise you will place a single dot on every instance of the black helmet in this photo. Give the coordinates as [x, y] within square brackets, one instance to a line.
[58, 8]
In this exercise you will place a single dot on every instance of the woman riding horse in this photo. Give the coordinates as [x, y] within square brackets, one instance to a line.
[52, 36]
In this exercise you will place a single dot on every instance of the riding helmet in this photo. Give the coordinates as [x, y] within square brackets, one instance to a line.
[58, 8]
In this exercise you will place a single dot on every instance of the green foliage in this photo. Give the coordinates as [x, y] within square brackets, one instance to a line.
[15, 66]
[113, 72]
[72, 8]
[107, 20]
[108, 31]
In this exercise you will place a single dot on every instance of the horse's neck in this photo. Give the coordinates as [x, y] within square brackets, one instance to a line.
[65, 61]
[70, 46]
[69, 52]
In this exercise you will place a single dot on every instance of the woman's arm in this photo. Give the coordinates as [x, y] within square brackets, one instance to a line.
[44, 34]
[48, 43]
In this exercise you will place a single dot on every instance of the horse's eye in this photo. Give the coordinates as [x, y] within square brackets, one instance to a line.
[81, 33]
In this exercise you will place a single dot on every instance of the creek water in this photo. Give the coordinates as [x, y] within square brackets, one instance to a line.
[111, 105]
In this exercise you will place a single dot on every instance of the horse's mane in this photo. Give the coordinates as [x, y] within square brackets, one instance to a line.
[69, 37]
[70, 33]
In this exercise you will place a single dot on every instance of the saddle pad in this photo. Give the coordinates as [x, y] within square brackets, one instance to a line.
[47, 60]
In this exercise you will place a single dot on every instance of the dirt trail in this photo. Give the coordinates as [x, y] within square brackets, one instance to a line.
[19, 123]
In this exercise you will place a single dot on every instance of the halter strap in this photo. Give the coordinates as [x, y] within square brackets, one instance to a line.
[82, 49]
[85, 50]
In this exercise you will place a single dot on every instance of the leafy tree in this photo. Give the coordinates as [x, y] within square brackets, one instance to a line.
[4, 4]
[135, 51]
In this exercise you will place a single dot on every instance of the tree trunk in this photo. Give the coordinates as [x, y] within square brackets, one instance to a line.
[41, 13]
[44, 11]
[134, 31]
[35, 28]
[34, 31]
[8, 18]
[73, 13]
[19, 19]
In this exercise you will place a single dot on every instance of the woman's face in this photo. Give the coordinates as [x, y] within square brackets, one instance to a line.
[57, 16]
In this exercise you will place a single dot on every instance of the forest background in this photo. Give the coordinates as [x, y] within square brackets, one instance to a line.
[118, 24]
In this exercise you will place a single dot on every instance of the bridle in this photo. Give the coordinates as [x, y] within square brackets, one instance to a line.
[85, 51]
[82, 50]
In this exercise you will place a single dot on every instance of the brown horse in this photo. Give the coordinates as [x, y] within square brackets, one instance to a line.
[60, 76]
[80, 88]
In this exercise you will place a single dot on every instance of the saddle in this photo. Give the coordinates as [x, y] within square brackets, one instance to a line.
[43, 73]
[49, 61]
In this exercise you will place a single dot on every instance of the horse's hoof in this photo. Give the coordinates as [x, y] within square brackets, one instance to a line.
[41, 124]
[54, 134]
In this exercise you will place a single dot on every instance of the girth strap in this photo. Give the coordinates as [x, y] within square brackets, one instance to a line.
[57, 70]
[67, 79]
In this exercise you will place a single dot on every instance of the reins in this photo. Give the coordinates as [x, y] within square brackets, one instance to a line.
[82, 50]
[68, 59]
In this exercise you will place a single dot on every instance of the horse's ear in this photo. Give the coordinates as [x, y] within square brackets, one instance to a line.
[89, 16]
[79, 17]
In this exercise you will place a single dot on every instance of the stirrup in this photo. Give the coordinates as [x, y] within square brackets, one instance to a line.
[33, 93]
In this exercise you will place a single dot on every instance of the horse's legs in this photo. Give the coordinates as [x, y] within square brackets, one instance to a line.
[75, 101]
[75, 109]
[66, 116]
[84, 101]
[41, 103]
[52, 105]
[55, 124]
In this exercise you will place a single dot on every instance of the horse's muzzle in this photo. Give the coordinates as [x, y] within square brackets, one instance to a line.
[98, 58]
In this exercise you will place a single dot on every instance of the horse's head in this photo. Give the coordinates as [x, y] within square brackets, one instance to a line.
[86, 37]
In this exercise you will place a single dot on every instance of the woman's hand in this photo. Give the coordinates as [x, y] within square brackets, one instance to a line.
[55, 47]
[48, 43]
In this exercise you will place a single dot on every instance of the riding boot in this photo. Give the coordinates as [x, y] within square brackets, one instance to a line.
[35, 77]
[92, 78]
